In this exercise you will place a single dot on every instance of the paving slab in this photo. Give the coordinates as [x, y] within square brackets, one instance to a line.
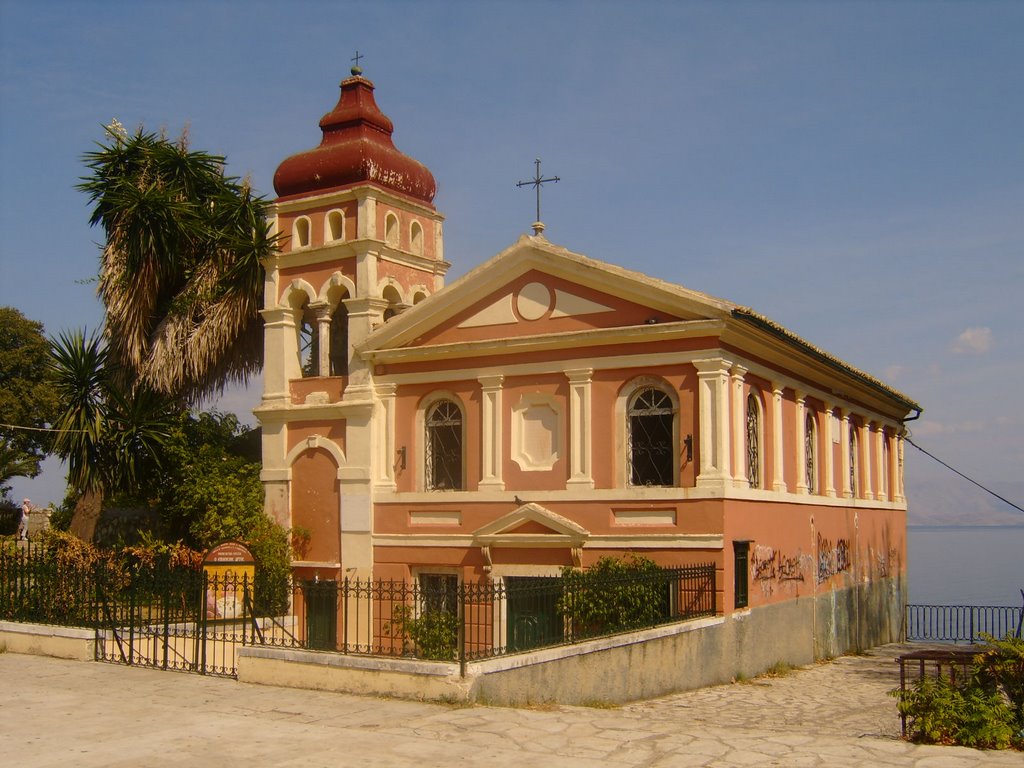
[59, 714]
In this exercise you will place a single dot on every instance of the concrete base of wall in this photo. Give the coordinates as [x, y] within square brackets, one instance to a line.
[46, 640]
[615, 669]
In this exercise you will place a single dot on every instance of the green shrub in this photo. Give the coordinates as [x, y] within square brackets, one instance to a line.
[614, 595]
[434, 633]
[983, 710]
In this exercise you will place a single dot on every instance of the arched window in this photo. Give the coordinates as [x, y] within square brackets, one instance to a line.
[753, 441]
[335, 226]
[394, 299]
[391, 230]
[443, 424]
[416, 238]
[418, 297]
[811, 452]
[854, 464]
[301, 232]
[651, 429]
[339, 341]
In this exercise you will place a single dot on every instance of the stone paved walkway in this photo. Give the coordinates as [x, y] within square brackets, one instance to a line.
[69, 714]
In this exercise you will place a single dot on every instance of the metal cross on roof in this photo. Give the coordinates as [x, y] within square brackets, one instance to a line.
[535, 182]
[357, 70]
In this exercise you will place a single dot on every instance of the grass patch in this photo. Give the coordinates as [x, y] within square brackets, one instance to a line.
[779, 669]
[600, 704]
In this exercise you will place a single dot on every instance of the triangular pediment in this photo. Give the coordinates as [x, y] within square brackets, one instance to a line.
[531, 523]
[536, 289]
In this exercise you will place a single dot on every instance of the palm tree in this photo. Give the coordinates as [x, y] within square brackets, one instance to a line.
[109, 437]
[181, 272]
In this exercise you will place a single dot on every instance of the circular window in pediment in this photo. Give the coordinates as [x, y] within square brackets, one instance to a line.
[534, 301]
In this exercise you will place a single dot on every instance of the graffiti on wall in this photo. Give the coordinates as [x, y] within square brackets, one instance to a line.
[887, 563]
[771, 568]
[832, 558]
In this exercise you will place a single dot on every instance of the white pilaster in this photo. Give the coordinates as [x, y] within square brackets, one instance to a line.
[387, 452]
[581, 471]
[281, 352]
[881, 471]
[492, 436]
[364, 314]
[366, 221]
[713, 404]
[778, 443]
[829, 463]
[867, 437]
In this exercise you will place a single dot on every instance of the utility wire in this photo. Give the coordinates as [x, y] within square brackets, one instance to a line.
[40, 429]
[965, 477]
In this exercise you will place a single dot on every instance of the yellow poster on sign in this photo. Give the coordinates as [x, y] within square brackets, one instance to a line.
[230, 570]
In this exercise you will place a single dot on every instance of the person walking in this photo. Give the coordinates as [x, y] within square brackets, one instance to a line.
[26, 507]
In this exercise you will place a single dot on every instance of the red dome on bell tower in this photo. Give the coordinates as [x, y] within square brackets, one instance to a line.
[356, 149]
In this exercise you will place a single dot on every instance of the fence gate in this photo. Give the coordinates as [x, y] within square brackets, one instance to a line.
[179, 620]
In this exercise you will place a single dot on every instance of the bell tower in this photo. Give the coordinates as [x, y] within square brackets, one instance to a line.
[359, 242]
[358, 230]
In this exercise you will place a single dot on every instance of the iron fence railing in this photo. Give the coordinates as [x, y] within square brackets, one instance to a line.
[961, 623]
[36, 586]
[442, 619]
[182, 618]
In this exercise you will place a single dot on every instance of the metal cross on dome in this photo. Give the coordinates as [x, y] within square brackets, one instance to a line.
[535, 182]
[357, 70]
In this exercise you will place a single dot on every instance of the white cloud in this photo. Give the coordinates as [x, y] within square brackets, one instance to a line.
[975, 341]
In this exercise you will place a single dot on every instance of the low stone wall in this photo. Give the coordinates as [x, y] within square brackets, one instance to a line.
[615, 669]
[325, 671]
[74, 643]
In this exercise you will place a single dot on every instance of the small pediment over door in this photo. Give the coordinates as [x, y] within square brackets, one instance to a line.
[532, 526]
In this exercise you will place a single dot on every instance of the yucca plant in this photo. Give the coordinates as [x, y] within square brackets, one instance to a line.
[181, 271]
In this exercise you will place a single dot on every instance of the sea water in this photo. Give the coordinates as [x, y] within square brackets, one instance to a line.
[965, 565]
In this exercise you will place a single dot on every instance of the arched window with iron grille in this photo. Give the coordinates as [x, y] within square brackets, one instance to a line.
[444, 442]
[651, 455]
[811, 453]
[753, 441]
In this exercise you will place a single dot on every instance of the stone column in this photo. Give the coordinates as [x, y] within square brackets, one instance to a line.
[580, 419]
[492, 436]
[739, 428]
[778, 442]
[323, 337]
[713, 403]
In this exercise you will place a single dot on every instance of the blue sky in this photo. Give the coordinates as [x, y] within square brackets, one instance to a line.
[854, 170]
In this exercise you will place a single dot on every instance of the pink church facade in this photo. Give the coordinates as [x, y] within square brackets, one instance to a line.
[547, 409]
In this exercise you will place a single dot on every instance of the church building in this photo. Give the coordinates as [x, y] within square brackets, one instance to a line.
[548, 409]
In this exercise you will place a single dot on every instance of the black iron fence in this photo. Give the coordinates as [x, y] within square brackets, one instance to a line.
[436, 617]
[38, 586]
[961, 623]
[181, 618]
